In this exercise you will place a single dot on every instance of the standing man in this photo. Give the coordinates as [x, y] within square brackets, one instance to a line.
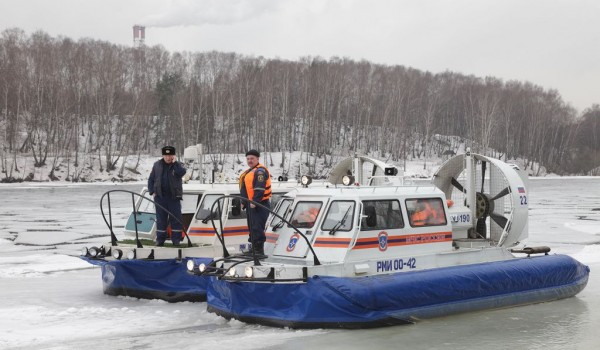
[255, 184]
[166, 186]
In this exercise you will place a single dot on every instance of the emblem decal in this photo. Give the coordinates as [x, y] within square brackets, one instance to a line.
[383, 240]
[261, 178]
[292, 243]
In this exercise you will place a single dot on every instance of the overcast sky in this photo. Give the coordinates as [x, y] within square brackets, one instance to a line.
[552, 43]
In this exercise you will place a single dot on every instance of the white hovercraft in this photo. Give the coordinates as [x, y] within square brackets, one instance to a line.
[141, 270]
[366, 256]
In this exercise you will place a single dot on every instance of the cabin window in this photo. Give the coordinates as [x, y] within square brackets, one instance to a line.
[236, 211]
[381, 215]
[188, 207]
[340, 216]
[426, 212]
[204, 210]
[189, 203]
[282, 210]
[145, 205]
[305, 214]
[276, 197]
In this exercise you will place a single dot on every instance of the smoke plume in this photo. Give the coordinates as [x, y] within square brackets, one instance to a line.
[203, 12]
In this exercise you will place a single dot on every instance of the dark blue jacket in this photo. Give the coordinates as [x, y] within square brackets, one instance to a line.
[172, 173]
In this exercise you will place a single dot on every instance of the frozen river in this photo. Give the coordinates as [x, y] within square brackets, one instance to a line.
[50, 299]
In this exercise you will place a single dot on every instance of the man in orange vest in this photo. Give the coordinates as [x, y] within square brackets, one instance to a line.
[424, 215]
[255, 184]
[307, 218]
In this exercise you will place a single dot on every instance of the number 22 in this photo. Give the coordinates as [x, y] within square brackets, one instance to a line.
[523, 200]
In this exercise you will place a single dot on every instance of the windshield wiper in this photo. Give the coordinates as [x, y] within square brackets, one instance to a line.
[210, 216]
[278, 226]
[340, 223]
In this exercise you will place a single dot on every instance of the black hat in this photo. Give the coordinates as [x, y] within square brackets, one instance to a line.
[168, 151]
[253, 152]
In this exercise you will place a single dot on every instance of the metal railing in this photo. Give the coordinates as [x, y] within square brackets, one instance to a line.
[109, 223]
[221, 238]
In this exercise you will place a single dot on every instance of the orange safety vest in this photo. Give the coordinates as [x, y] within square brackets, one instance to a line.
[309, 215]
[419, 218]
[425, 216]
[247, 183]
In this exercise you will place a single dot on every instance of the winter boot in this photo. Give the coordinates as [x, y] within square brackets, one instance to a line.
[259, 248]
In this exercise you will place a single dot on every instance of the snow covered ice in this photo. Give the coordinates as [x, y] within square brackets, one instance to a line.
[50, 299]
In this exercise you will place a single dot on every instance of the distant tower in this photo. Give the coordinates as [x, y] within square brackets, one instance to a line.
[139, 56]
[139, 35]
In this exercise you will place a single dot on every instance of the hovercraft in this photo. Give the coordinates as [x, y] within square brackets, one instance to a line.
[370, 256]
[135, 267]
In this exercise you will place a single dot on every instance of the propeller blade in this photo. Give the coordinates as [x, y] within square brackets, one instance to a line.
[502, 193]
[499, 219]
[458, 185]
[481, 227]
[483, 166]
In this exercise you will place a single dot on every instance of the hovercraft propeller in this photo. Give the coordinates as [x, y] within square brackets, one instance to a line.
[484, 204]
[496, 198]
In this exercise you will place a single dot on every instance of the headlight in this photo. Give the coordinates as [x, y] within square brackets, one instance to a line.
[306, 180]
[117, 254]
[202, 267]
[231, 272]
[84, 251]
[248, 271]
[348, 180]
[190, 265]
[131, 254]
[94, 252]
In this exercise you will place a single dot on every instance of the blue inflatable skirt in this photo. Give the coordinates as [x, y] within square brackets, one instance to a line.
[152, 279]
[374, 301]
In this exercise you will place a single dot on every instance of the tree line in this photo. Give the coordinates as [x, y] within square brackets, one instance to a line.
[61, 98]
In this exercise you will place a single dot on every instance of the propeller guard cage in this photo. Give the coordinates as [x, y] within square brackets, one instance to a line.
[499, 205]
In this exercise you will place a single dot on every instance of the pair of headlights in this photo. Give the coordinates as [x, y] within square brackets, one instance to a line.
[248, 270]
[191, 266]
[118, 254]
[95, 252]
[347, 180]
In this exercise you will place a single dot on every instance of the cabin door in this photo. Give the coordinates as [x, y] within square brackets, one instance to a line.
[306, 217]
[143, 219]
[201, 227]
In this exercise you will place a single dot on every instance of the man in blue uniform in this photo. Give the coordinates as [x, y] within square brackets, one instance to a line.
[255, 184]
[165, 185]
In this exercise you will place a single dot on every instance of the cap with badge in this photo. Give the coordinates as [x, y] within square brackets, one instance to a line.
[168, 151]
[253, 152]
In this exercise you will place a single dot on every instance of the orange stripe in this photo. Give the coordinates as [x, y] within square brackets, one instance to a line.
[332, 242]
[201, 234]
[231, 234]
[235, 227]
[201, 231]
[209, 231]
[402, 240]
[271, 237]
